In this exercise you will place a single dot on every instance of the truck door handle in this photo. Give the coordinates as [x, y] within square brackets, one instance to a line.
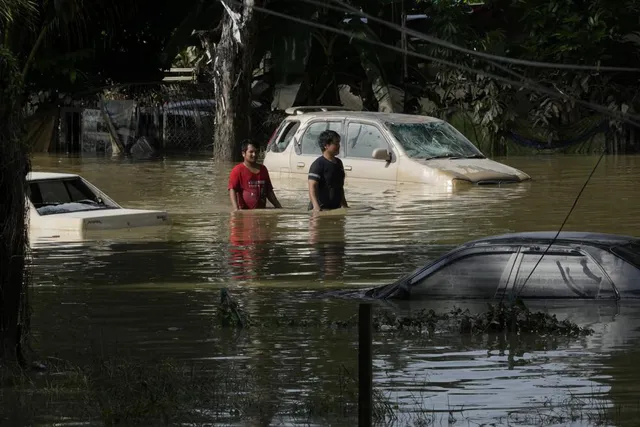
[347, 168]
[300, 164]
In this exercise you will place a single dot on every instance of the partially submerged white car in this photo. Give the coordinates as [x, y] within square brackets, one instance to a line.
[396, 148]
[62, 203]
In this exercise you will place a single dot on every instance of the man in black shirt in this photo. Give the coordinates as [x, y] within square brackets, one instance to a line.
[326, 175]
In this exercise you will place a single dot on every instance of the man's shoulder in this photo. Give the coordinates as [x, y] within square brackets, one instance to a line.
[238, 168]
[236, 171]
[318, 161]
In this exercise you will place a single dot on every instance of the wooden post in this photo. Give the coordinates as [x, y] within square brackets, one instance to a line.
[365, 370]
[165, 125]
[117, 146]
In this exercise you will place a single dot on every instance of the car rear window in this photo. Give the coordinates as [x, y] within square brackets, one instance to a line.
[63, 195]
[630, 252]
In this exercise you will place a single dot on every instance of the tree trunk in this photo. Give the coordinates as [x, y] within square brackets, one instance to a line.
[14, 164]
[379, 86]
[232, 74]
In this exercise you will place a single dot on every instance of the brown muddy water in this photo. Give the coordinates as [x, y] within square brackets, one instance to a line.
[153, 294]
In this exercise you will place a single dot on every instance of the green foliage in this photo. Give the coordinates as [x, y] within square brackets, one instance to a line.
[14, 10]
[568, 31]
[583, 33]
[559, 31]
[483, 100]
[11, 86]
[509, 318]
[73, 45]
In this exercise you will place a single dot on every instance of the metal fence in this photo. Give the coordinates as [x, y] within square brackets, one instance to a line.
[188, 117]
[163, 116]
[169, 116]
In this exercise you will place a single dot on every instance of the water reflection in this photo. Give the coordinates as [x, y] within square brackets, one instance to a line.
[249, 235]
[514, 379]
[156, 295]
[327, 239]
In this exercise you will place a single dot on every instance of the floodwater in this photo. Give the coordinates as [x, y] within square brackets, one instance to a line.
[153, 294]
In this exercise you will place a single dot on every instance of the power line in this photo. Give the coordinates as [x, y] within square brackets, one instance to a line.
[624, 117]
[566, 218]
[348, 8]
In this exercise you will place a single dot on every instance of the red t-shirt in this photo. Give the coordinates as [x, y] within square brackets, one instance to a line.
[251, 188]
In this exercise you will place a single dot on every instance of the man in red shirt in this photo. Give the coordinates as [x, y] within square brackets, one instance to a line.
[249, 182]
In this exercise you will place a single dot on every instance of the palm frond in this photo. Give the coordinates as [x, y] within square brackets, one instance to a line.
[12, 10]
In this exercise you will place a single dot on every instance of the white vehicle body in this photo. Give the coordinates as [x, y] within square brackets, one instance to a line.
[396, 148]
[61, 203]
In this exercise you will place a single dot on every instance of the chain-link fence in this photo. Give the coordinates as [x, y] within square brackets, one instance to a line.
[173, 117]
[170, 117]
[188, 117]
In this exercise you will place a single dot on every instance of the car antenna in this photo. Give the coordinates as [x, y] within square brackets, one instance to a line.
[575, 202]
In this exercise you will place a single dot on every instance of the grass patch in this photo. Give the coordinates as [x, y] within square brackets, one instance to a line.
[126, 392]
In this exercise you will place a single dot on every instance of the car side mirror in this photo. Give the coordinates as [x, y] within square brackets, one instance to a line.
[381, 154]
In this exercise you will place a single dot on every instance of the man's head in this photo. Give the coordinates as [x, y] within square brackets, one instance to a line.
[249, 151]
[329, 141]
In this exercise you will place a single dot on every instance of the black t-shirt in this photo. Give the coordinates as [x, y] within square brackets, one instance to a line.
[330, 177]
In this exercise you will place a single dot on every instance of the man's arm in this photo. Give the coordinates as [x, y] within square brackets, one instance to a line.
[271, 196]
[315, 175]
[313, 194]
[234, 199]
[234, 182]
[343, 203]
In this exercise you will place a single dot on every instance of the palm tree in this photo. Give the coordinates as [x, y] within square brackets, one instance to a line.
[26, 28]
[13, 162]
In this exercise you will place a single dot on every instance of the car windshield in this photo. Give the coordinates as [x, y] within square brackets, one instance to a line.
[64, 195]
[630, 252]
[433, 140]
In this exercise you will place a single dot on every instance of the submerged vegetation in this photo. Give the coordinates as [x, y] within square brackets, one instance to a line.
[123, 390]
[163, 392]
[507, 318]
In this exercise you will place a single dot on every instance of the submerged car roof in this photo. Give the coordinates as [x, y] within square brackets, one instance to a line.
[565, 236]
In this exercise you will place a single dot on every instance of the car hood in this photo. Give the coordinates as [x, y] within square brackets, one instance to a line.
[476, 170]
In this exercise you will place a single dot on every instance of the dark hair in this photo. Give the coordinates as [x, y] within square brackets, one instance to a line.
[326, 138]
[246, 143]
